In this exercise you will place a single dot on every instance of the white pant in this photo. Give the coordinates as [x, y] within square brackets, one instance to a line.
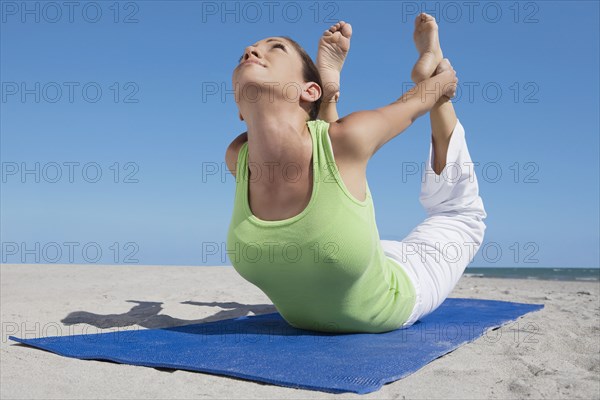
[437, 251]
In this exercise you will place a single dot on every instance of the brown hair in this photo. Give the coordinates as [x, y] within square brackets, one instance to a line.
[310, 74]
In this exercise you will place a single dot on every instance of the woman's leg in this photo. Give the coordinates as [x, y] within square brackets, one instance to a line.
[443, 120]
[436, 252]
[333, 49]
[431, 62]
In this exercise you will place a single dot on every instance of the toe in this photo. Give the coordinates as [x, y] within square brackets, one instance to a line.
[423, 18]
[427, 17]
[347, 30]
[417, 20]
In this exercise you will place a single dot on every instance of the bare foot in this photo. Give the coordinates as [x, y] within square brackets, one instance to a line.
[427, 42]
[333, 48]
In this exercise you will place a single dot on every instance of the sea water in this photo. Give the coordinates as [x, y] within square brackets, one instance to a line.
[555, 274]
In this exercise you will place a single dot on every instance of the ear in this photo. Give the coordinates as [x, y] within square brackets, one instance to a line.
[311, 92]
[241, 118]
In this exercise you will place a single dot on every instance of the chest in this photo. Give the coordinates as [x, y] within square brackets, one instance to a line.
[276, 194]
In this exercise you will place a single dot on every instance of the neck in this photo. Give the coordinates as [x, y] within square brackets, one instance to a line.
[276, 135]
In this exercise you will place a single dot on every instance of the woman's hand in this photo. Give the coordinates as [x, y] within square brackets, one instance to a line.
[450, 80]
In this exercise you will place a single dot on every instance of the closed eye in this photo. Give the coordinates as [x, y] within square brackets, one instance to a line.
[279, 45]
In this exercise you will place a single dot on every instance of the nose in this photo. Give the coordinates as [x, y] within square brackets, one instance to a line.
[251, 50]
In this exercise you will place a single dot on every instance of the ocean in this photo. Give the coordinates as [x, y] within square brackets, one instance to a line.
[554, 274]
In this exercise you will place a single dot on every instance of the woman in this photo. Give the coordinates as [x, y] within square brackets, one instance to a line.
[303, 226]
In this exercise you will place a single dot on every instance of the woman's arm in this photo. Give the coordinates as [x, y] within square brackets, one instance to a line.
[364, 132]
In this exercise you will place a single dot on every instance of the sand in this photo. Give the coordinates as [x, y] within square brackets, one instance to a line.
[552, 353]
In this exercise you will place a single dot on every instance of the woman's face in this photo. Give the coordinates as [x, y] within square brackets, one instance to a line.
[272, 63]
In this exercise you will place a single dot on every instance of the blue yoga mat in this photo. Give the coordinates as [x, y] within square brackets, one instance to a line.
[266, 348]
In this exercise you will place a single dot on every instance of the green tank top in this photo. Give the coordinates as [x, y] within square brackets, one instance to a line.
[324, 269]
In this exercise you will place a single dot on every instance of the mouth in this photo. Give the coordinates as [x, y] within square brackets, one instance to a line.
[253, 62]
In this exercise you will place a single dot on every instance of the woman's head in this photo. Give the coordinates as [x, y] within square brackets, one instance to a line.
[283, 66]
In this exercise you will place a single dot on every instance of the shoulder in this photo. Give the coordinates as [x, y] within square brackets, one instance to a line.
[232, 152]
[349, 137]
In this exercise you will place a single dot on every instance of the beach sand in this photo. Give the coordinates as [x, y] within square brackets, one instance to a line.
[552, 353]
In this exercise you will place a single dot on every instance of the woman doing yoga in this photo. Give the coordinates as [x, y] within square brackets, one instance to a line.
[303, 226]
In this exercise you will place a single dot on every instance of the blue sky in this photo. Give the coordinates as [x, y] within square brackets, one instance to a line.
[110, 108]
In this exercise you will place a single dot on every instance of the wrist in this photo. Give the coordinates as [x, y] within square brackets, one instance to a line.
[428, 93]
